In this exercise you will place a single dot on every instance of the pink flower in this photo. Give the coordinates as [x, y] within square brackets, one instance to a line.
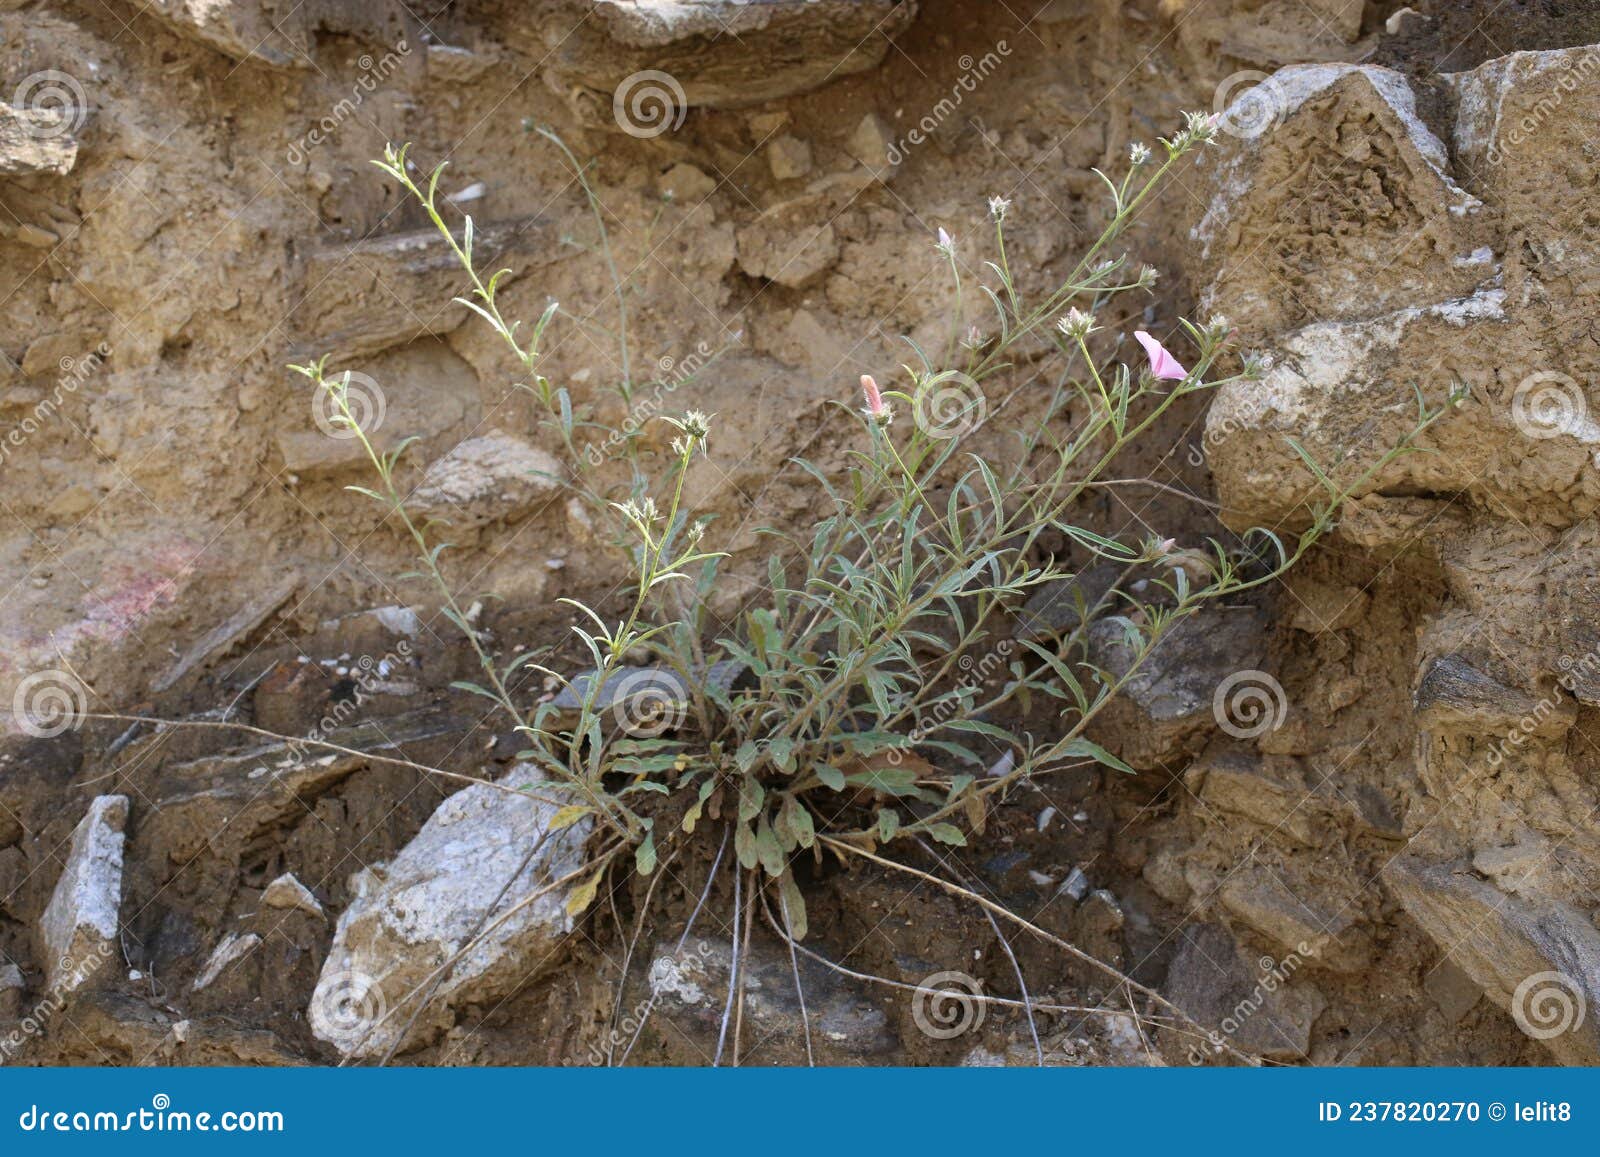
[1163, 366]
[875, 406]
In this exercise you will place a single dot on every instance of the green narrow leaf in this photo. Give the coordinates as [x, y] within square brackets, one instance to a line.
[1097, 753]
[948, 834]
[744, 845]
[644, 858]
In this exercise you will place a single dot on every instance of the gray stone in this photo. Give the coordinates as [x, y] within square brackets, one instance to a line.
[1164, 712]
[1262, 1008]
[720, 53]
[486, 478]
[1519, 951]
[1452, 989]
[79, 928]
[1323, 935]
[420, 911]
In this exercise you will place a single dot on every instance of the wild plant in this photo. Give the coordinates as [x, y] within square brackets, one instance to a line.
[850, 723]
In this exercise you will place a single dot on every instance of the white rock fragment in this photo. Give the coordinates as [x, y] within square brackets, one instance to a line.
[232, 949]
[426, 905]
[289, 893]
[485, 478]
[79, 927]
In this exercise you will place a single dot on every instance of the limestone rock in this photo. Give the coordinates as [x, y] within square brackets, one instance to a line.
[359, 297]
[1538, 958]
[1307, 922]
[721, 53]
[260, 31]
[484, 478]
[35, 141]
[79, 928]
[418, 911]
[233, 948]
[289, 893]
[1380, 175]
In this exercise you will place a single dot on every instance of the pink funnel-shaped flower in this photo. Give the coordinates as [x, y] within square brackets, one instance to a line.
[1163, 365]
[869, 388]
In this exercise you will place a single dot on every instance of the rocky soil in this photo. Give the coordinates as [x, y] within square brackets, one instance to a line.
[1392, 861]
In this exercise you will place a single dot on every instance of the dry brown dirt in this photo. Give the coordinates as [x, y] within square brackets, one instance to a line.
[177, 538]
